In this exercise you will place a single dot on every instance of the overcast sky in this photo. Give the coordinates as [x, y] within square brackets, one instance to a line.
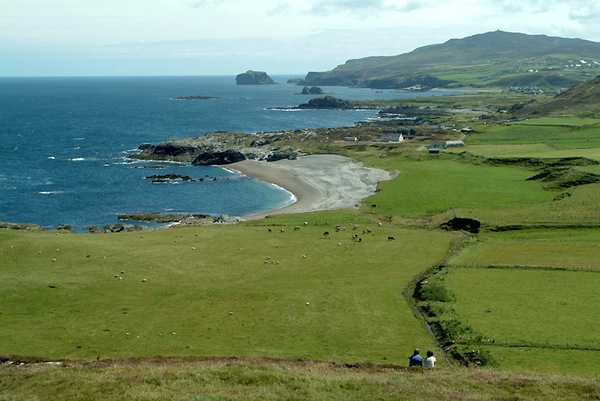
[226, 37]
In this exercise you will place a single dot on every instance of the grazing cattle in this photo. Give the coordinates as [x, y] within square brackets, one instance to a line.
[391, 238]
[338, 228]
[297, 228]
[270, 229]
[326, 233]
[369, 231]
[282, 230]
[356, 227]
[306, 223]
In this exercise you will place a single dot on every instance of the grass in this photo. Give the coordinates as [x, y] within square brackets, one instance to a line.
[565, 248]
[537, 309]
[434, 185]
[232, 379]
[242, 291]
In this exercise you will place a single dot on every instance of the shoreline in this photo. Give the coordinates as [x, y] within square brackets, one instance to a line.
[319, 182]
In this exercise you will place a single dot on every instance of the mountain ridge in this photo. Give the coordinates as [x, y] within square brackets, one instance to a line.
[488, 60]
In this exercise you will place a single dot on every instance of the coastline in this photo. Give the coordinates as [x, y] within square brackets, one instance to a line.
[319, 182]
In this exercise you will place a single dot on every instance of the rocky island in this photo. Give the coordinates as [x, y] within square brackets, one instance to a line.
[218, 148]
[194, 98]
[254, 78]
[314, 90]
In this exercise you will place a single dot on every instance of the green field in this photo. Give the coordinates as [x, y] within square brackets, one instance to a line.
[537, 319]
[432, 186]
[242, 291]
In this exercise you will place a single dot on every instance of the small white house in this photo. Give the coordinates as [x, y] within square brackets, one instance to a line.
[351, 139]
[451, 144]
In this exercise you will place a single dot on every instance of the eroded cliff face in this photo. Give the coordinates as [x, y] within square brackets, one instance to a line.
[254, 78]
[219, 148]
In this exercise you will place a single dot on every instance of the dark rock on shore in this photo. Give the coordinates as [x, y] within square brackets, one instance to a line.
[218, 158]
[161, 218]
[220, 147]
[23, 226]
[254, 78]
[120, 227]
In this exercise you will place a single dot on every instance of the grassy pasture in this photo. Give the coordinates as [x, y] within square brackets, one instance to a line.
[56, 301]
[537, 150]
[536, 309]
[560, 121]
[581, 206]
[434, 185]
[560, 137]
[579, 249]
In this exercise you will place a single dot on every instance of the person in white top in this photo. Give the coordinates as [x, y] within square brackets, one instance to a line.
[429, 361]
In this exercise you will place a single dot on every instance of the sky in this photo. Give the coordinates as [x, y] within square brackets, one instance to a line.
[281, 37]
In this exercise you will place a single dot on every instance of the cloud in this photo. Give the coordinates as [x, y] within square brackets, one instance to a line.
[335, 7]
[205, 3]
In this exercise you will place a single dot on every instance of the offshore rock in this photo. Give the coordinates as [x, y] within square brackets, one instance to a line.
[254, 78]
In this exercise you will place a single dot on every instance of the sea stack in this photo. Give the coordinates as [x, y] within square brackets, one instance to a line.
[254, 78]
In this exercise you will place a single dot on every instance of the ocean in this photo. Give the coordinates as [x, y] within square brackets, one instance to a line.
[64, 144]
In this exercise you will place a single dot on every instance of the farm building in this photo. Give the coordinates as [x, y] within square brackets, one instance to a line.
[350, 139]
[395, 137]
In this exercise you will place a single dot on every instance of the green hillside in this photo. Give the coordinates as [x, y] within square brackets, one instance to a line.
[580, 100]
[490, 60]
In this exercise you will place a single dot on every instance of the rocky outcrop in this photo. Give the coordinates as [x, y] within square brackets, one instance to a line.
[195, 98]
[254, 78]
[327, 102]
[161, 218]
[169, 177]
[218, 148]
[314, 90]
[217, 158]
[121, 227]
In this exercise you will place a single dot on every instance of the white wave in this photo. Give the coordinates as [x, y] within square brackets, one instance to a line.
[51, 192]
[79, 139]
[51, 158]
[77, 159]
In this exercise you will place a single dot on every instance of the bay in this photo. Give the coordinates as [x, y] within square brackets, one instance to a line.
[64, 143]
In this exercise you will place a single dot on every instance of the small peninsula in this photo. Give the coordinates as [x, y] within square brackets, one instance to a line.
[254, 78]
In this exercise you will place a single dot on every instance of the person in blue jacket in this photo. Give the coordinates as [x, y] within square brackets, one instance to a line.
[415, 359]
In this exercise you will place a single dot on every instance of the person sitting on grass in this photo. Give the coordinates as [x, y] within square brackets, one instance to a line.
[429, 361]
[415, 359]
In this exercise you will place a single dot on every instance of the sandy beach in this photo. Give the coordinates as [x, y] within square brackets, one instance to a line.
[319, 182]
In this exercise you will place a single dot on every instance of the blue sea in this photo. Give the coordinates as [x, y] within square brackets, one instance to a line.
[64, 144]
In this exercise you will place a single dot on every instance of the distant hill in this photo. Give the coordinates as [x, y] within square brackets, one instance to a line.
[489, 60]
[580, 100]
